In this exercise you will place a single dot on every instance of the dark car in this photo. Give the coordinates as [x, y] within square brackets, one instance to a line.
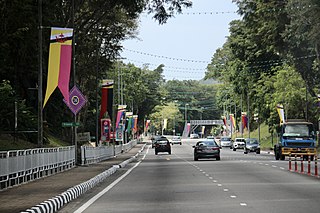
[252, 145]
[162, 145]
[155, 138]
[206, 149]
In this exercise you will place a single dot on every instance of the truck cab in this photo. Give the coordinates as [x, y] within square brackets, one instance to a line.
[296, 137]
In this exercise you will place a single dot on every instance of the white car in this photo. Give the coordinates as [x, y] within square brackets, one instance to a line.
[226, 141]
[176, 140]
[194, 136]
[239, 143]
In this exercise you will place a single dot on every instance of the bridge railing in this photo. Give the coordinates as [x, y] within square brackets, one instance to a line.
[20, 166]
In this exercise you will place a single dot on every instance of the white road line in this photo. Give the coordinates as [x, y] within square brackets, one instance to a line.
[274, 166]
[233, 196]
[219, 185]
[243, 204]
[95, 198]
[225, 190]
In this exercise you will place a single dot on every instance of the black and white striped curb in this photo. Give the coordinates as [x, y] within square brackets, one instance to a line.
[54, 204]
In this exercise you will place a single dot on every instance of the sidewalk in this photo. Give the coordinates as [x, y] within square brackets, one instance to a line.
[23, 197]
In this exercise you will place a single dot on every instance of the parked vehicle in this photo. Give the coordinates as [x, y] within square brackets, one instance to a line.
[162, 145]
[251, 145]
[155, 138]
[238, 143]
[194, 136]
[176, 140]
[206, 149]
[226, 142]
[297, 137]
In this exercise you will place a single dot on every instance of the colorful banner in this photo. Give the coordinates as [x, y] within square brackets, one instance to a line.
[232, 121]
[135, 123]
[106, 98]
[120, 114]
[105, 130]
[244, 120]
[59, 65]
[280, 112]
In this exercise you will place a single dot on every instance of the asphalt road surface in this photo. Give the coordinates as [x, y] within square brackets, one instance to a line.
[176, 183]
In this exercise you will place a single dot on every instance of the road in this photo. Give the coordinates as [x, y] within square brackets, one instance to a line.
[176, 183]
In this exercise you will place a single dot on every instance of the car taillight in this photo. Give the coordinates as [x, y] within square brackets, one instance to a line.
[216, 148]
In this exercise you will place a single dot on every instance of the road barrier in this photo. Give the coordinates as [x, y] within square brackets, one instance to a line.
[309, 164]
[91, 154]
[20, 166]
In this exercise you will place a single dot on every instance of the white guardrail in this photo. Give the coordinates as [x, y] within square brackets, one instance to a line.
[20, 166]
[91, 155]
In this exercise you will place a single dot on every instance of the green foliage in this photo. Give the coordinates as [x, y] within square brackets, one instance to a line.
[271, 57]
[99, 27]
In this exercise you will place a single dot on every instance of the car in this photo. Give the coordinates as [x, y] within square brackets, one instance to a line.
[176, 140]
[162, 145]
[194, 136]
[239, 143]
[226, 141]
[252, 145]
[211, 138]
[156, 137]
[206, 149]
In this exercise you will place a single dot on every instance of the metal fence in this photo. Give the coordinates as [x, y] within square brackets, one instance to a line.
[20, 166]
[91, 155]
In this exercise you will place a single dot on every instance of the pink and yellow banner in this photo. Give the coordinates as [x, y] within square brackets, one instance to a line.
[59, 66]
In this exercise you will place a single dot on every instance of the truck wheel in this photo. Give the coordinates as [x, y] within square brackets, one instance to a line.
[234, 149]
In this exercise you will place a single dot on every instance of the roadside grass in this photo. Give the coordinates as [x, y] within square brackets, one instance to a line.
[8, 142]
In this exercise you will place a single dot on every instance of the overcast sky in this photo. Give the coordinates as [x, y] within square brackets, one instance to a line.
[186, 43]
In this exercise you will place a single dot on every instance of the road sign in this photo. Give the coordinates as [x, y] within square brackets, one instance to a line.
[70, 124]
[77, 100]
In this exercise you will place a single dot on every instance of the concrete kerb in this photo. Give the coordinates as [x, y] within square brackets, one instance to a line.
[54, 204]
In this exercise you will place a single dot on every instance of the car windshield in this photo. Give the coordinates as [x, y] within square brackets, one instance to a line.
[297, 130]
[207, 143]
[225, 139]
[252, 141]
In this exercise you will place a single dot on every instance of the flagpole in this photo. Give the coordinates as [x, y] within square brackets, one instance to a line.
[74, 135]
[40, 112]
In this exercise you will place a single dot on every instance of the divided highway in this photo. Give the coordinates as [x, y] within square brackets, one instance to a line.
[176, 183]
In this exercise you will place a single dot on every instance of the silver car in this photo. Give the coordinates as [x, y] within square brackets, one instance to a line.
[252, 145]
[225, 142]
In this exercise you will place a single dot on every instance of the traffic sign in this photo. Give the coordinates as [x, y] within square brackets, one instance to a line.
[70, 124]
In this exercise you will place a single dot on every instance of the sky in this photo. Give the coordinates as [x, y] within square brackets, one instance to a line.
[186, 43]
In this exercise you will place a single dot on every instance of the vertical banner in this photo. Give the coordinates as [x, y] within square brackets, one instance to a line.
[59, 65]
[105, 130]
[135, 123]
[244, 120]
[165, 123]
[106, 98]
[233, 122]
[280, 112]
[147, 124]
[129, 116]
